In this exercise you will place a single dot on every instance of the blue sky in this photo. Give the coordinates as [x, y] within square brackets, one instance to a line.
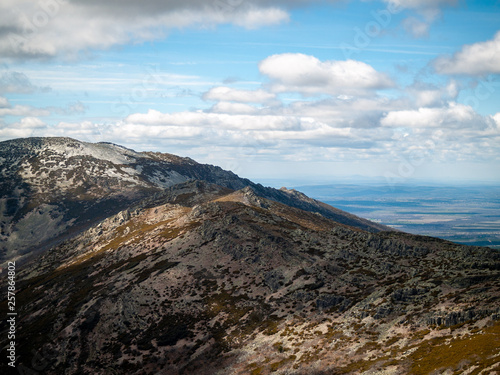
[302, 89]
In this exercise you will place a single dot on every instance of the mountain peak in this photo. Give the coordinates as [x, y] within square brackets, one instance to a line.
[56, 184]
[155, 264]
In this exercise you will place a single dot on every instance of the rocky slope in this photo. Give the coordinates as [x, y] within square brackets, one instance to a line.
[52, 188]
[222, 276]
[202, 279]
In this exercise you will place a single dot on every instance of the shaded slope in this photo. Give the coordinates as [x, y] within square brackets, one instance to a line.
[204, 280]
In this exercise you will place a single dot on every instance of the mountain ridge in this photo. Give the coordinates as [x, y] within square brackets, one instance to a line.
[51, 185]
[201, 278]
[206, 280]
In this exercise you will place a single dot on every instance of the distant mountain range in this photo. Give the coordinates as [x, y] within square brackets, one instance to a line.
[149, 263]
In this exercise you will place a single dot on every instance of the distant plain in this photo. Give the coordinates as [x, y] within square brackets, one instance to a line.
[467, 214]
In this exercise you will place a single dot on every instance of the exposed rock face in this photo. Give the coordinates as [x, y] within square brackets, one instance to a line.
[199, 278]
[50, 186]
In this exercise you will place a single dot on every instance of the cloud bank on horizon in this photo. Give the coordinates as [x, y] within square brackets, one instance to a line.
[395, 88]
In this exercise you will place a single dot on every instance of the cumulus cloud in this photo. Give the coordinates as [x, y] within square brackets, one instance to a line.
[23, 110]
[296, 72]
[453, 116]
[215, 120]
[49, 28]
[234, 108]
[357, 113]
[242, 96]
[4, 103]
[255, 18]
[456, 130]
[357, 129]
[31, 123]
[231, 131]
[26, 127]
[198, 130]
[475, 59]
[234, 131]
[496, 117]
[6, 109]
[430, 95]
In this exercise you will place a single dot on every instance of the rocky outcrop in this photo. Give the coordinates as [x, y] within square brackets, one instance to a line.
[200, 279]
[52, 186]
[155, 264]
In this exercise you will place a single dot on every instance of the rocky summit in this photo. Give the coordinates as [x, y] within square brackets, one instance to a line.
[144, 263]
[52, 188]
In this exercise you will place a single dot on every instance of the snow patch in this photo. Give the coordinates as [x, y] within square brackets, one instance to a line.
[104, 151]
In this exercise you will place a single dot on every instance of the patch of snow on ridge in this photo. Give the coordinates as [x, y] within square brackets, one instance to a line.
[130, 171]
[124, 174]
[102, 151]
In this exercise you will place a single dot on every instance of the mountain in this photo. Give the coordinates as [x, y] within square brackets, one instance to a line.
[203, 277]
[52, 188]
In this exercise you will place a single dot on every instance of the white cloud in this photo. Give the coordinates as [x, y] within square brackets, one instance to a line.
[31, 123]
[296, 72]
[215, 120]
[284, 133]
[6, 109]
[234, 108]
[476, 59]
[4, 103]
[45, 29]
[356, 130]
[201, 130]
[68, 28]
[26, 127]
[454, 116]
[22, 110]
[428, 95]
[363, 113]
[228, 94]
[496, 118]
[255, 18]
